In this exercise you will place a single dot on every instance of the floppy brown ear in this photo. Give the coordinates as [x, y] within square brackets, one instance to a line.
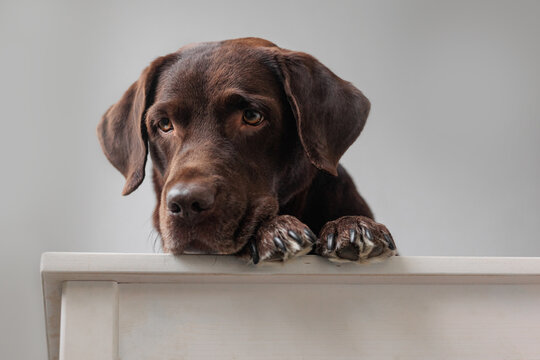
[122, 133]
[330, 112]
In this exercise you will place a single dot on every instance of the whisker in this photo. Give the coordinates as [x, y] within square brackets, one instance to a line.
[155, 238]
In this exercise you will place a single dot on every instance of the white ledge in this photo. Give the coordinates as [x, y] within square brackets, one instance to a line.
[187, 268]
[57, 268]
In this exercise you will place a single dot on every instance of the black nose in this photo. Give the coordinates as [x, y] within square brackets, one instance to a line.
[189, 200]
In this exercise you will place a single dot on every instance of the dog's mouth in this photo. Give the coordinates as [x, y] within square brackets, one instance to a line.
[220, 235]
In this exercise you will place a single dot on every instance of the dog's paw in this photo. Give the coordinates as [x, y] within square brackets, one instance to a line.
[280, 239]
[355, 238]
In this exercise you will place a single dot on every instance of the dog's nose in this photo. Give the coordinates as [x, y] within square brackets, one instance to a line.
[189, 200]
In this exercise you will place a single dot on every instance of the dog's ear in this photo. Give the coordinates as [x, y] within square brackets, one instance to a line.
[122, 131]
[330, 112]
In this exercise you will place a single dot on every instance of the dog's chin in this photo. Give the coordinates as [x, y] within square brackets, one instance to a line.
[207, 242]
[199, 247]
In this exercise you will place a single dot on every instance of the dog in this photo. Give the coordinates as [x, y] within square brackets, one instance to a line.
[245, 139]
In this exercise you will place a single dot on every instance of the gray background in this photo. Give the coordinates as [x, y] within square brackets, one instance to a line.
[448, 159]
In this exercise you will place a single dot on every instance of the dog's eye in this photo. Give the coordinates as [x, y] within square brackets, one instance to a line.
[252, 117]
[165, 125]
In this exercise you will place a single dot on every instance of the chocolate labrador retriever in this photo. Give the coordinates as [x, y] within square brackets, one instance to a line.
[245, 139]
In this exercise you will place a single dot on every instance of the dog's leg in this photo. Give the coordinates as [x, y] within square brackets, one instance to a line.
[347, 231]
[280, 239]
[355, 238]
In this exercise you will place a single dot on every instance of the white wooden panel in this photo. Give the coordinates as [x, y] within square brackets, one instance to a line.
[322, 321]
[217, 307]
[89, 320]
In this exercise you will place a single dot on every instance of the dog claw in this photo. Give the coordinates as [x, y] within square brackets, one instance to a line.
[390, 242]
[295, 237]
[330, 242]
[311, 236]
[280, 244]
[352, 235]
[254, 252]
[368, 234]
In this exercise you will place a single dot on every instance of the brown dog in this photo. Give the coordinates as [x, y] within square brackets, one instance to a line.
[245, 140]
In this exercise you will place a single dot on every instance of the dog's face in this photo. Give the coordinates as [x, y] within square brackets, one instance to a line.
[217, 137]
[235, 129]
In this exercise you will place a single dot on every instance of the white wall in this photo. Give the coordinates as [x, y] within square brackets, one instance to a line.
[448, 160]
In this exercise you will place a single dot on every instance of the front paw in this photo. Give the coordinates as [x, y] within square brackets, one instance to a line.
[280, 239]
[355, 238]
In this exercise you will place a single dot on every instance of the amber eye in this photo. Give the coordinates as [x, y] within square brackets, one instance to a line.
[165, 125]
[252, 117]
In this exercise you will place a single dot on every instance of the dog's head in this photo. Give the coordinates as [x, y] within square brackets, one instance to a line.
[235, 129]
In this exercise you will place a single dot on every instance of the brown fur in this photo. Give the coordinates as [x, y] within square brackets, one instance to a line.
[267, 179]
